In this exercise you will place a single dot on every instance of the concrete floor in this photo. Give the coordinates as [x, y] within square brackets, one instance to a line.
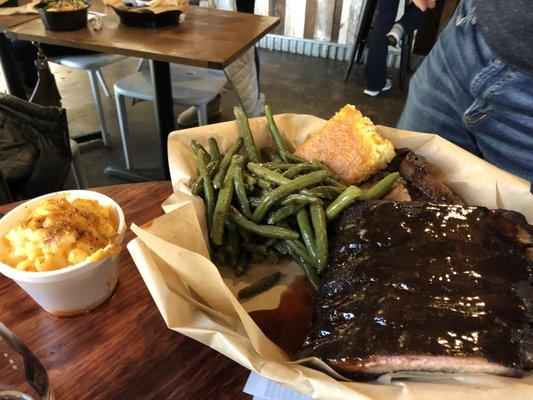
[291, 83]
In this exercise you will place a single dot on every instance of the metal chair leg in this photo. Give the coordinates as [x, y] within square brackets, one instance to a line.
[77, 167]
[202, 114]
[103, 83]
[123, 126]
[93, 80]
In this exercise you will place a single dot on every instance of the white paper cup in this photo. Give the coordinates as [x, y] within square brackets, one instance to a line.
[74, 289]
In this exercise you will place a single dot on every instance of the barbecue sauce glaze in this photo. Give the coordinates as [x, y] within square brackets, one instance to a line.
[288, 324]
[420, 278]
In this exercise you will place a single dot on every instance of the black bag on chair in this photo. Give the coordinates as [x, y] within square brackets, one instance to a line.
[34, 147]
[45, 92]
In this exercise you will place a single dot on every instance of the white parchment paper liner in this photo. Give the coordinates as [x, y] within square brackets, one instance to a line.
[197, 299]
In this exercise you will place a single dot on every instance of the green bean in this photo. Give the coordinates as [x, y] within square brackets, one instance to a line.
[264, 184]
[278, 140]
[246, 133]
[197, 185]
[259, 286]
[302, 217]
[267, 174]
[214, 151]
[282, 191]
[220, 256]
[283, 212]
[299, 169]
[276, 136]
[272, 256]
[223, 202]
[381, 188]
[318, 217]
[333, 182]
[299, 248]
[280, 248]
[308, 269]
[261, 230]
[299, 198]
[256, 248]
[254, 201]
[225, 163]
[277, 165]
[325, 192]
[346, 198]
[270, 154]
[233, 246]
[250, 180]
[242, 263]
[238, 183]
[209, 191]
[197, 148]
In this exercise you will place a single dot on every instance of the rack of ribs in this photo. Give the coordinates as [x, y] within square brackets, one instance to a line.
[417, 286]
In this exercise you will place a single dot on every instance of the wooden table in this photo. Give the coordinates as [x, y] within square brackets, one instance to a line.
[123, 349]
[208, 38]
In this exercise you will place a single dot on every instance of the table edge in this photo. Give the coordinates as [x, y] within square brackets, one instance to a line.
[11, 33]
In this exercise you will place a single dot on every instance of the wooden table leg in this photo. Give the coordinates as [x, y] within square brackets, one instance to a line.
[164, 108]
[10, 69]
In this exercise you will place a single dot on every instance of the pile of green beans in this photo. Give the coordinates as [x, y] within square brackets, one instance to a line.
[266, 204]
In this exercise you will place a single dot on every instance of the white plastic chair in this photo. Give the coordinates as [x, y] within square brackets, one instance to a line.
[92, 64]
[76, 165]
[191, 86]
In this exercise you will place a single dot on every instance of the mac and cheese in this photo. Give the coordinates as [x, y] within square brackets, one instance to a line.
[58, 233]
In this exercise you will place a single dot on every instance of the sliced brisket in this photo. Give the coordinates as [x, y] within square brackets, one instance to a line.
[419, 181]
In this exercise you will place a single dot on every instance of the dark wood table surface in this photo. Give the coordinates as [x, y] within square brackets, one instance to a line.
[9, 21]
[207, 38]
[123, 349]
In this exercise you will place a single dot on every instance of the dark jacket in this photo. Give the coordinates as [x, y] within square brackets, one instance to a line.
[34, 147]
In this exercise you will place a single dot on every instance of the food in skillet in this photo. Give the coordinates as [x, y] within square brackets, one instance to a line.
[272, 204]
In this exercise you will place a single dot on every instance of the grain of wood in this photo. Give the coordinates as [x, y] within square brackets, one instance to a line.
[310, 19]
[207, 38]
[122, 349]
[324, 20]
[336, 22]
[277, 9]
[295, 18]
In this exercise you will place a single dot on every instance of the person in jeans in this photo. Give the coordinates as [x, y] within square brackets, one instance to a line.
[475, 87]
[381, 36]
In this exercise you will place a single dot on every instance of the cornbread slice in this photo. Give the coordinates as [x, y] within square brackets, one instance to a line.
[350, 145]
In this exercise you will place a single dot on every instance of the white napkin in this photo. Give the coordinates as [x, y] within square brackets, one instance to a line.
[266, 389]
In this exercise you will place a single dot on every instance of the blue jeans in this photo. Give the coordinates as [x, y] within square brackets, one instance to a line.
[466, 94]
